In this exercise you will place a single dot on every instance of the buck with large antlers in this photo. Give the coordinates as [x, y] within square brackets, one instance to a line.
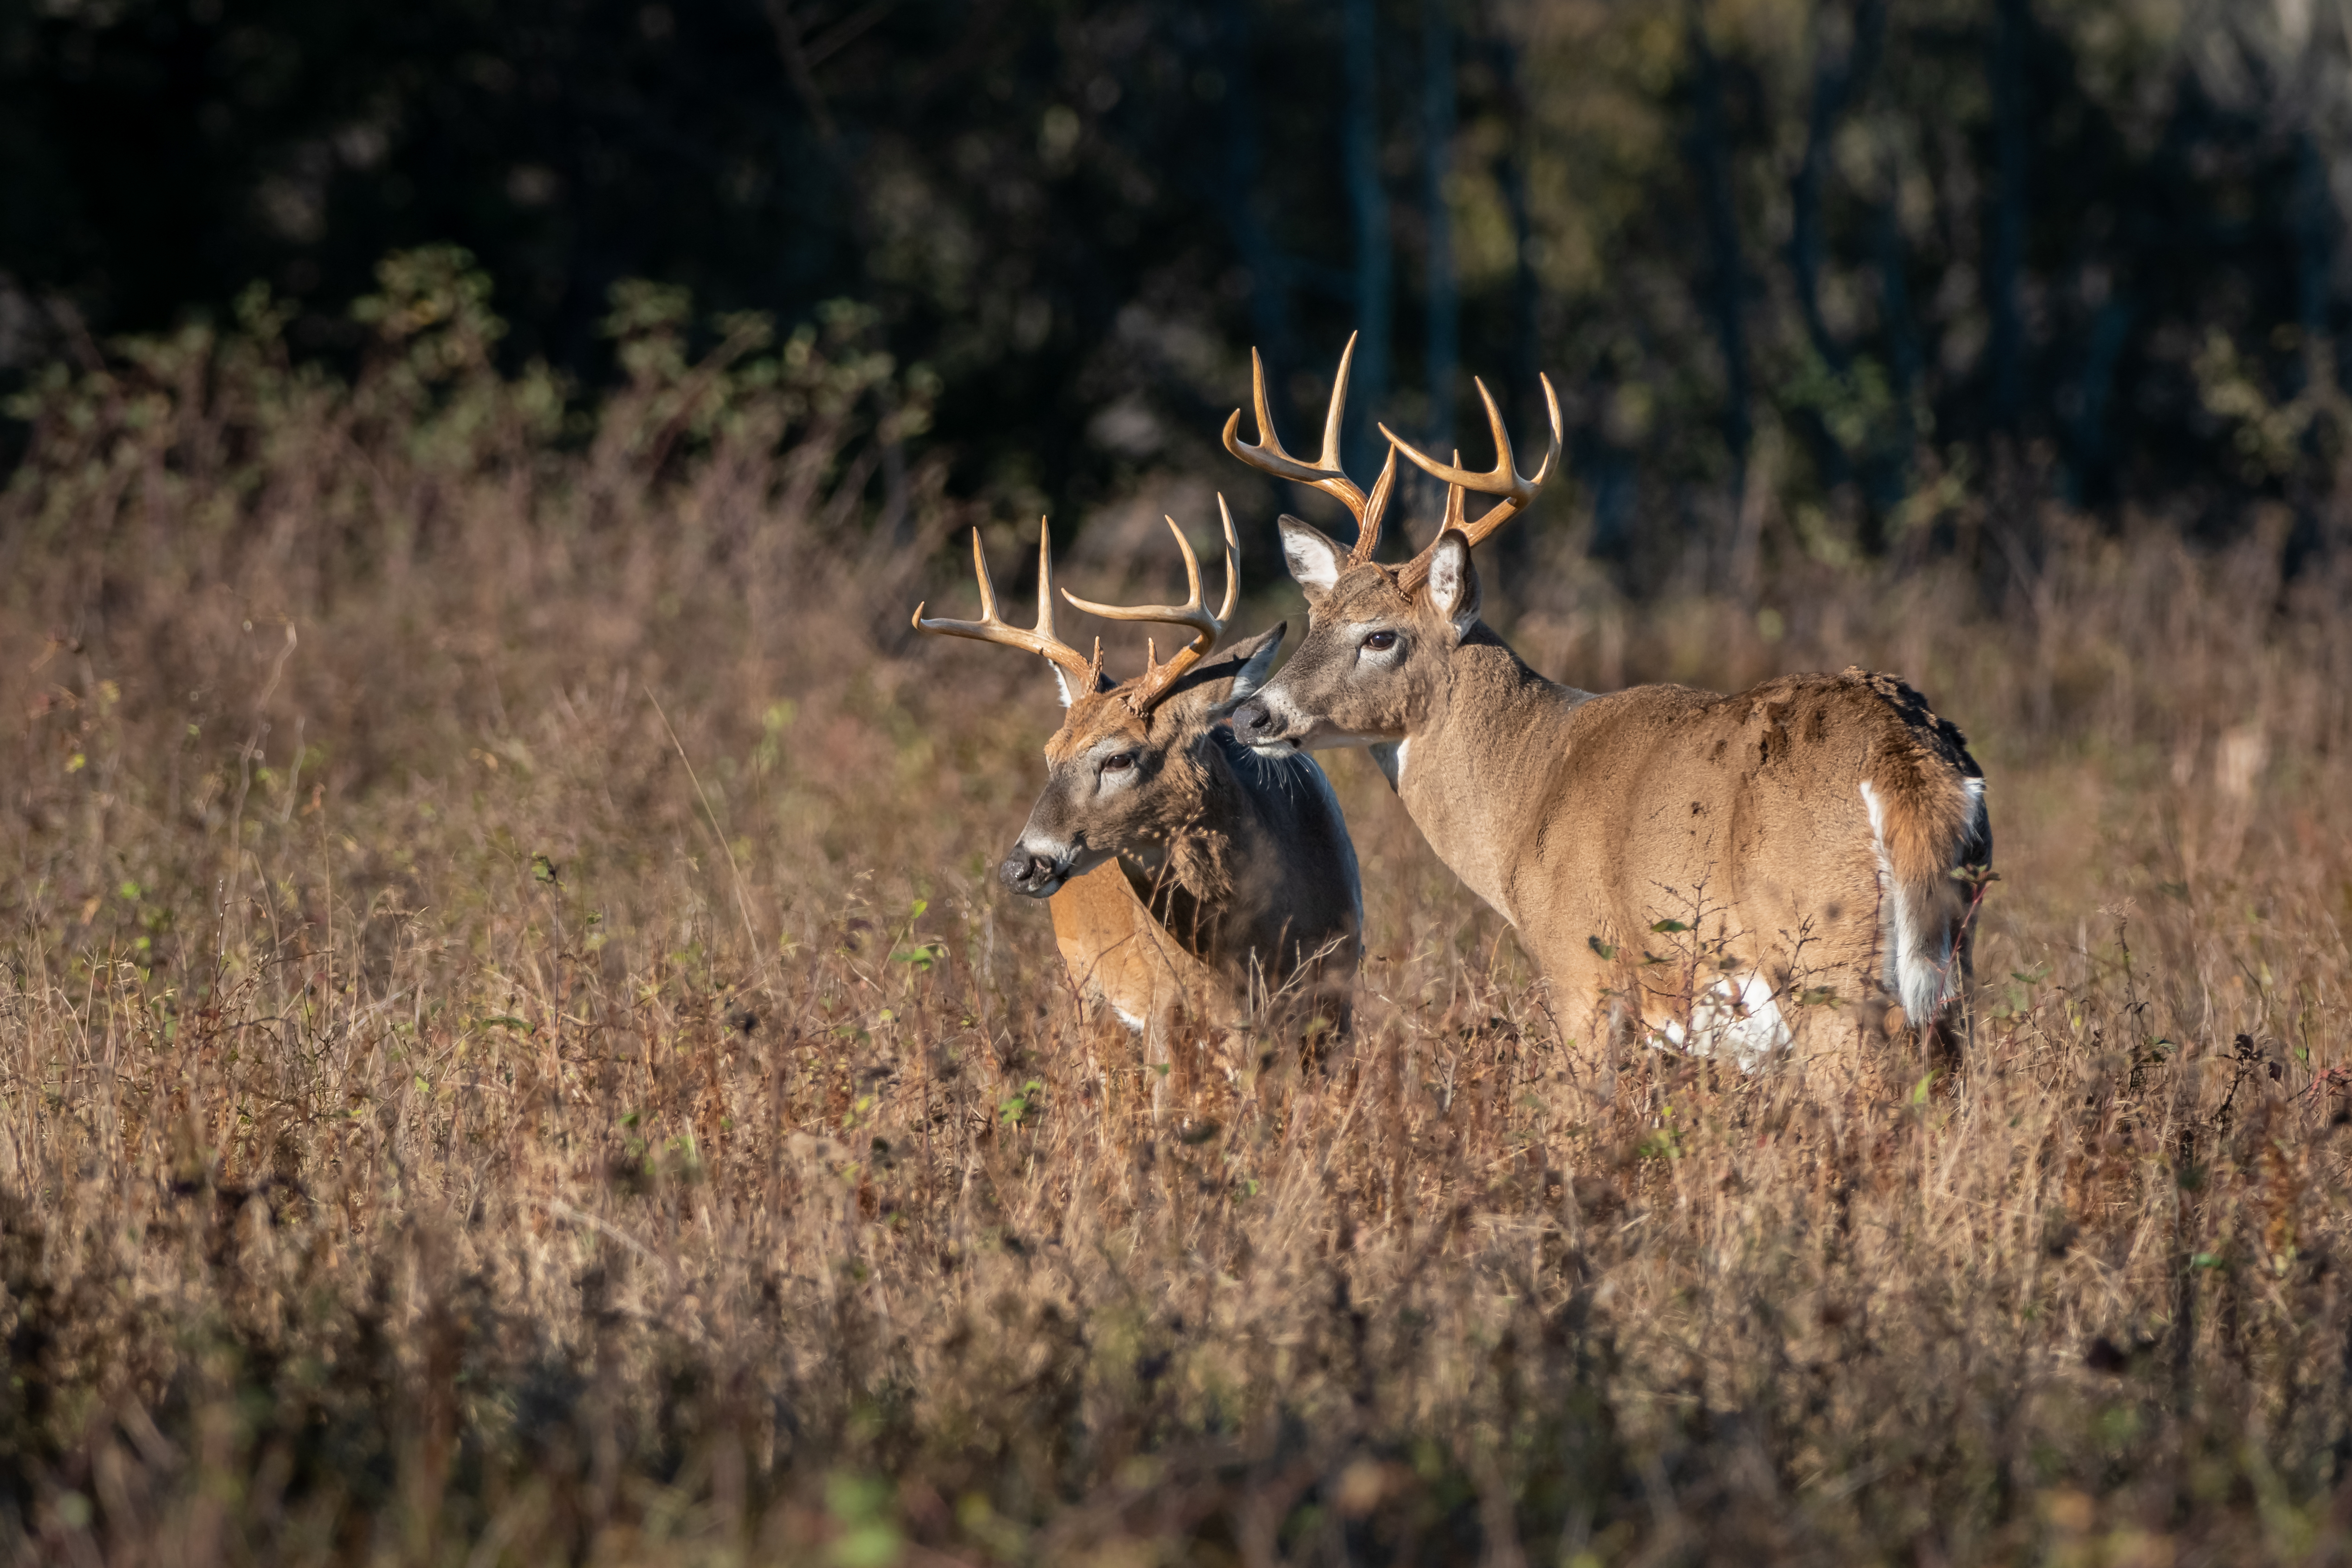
[1703, 869]
[1186, 872]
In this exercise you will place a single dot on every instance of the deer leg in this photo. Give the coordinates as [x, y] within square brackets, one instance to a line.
[1184, 1052]
[1158, 1063]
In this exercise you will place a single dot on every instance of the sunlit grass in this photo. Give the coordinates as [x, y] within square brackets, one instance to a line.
[511, 1054]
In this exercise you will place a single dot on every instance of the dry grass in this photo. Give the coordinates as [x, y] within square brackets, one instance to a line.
[511, 1055]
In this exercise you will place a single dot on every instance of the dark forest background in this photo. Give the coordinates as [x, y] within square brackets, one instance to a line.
[1842, 278]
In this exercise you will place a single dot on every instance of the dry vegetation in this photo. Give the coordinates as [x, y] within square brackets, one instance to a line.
[511, 1053]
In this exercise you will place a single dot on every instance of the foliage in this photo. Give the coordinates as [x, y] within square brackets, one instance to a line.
[1803, 255]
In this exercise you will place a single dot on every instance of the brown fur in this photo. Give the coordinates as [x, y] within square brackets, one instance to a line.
[1212, 877]
[1590, 821]
[1118, 956]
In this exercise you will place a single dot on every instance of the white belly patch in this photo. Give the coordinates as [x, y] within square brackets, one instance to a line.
[1741, 1021]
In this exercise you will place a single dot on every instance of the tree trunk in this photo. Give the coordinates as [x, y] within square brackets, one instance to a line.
[1727, 282]
[1444, 300]
[1269, 300]
[1368, 203]
[1525, 397]
[1836, 79]
[2005, 252]
[1890, 477]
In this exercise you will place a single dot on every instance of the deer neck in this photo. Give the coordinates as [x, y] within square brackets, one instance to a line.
[1471, 771]
[1184, 872]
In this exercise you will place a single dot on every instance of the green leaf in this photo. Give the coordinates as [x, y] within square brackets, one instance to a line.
[875, 1545]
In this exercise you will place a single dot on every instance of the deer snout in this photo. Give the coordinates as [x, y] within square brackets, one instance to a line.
[1257, 724]
[1031, 874]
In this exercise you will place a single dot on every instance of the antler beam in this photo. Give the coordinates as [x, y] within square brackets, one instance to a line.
[1325, 473]
[1042, 639]
[1516, 489]
[1157, 679]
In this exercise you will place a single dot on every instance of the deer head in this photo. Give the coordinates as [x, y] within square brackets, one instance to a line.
[1124, 773]
[1377, 636]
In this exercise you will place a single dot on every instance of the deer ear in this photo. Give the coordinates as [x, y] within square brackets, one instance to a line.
[1453, 581]
[1314, 559]
[1061, 684]
[1257, 666]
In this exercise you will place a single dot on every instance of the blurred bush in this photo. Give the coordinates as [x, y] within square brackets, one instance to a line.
[1795, 264]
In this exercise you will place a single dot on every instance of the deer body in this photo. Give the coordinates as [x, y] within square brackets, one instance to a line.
[1213, 876]
[1246, 885]
[1587, 821]
[1189, 877]
[1118, 956]
[1711, 868]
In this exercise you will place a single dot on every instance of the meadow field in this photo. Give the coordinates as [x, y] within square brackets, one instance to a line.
[512, 1052]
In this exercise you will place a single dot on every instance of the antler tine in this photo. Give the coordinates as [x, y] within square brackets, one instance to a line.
[1516, 489]
[1457, 502]
[1156, 678]
[1376, 505]
[1455, 498]
[1268, 457]
[993, 628]
[1233, 564]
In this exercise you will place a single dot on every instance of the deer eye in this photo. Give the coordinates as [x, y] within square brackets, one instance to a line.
[1119, 763]
[1380, 642]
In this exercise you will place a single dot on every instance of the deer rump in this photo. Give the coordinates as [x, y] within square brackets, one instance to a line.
[1747, 861]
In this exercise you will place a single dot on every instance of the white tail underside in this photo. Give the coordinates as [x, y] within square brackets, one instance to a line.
[1919, 965]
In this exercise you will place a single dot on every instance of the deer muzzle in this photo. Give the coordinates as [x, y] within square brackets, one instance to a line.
[1260, 726]
[1031, 874]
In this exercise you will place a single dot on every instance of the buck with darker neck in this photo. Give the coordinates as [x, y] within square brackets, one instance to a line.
[1185, 873]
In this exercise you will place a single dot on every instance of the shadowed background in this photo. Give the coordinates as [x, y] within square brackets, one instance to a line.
[1804, 272]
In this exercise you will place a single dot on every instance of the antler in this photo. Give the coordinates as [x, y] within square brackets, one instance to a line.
[1157, 679]
[990, 627]
[1516, 489]
[1325, 473]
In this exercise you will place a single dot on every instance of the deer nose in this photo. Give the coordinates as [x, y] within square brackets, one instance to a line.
[1026, 873]
[1254, 721]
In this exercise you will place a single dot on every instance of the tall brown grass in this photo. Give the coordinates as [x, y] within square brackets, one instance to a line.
[512, 1054]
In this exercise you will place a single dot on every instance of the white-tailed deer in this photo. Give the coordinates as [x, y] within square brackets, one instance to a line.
[1709, 871]
[1186, 872]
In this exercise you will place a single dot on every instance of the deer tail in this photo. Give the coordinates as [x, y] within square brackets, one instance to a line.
[1927, 824]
